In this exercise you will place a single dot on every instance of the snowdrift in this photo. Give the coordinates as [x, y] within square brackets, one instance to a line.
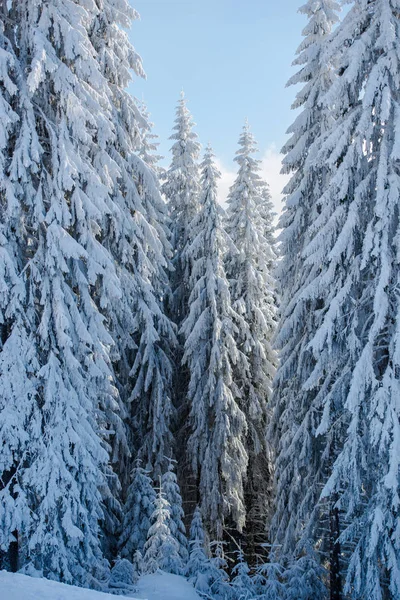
[160, 586]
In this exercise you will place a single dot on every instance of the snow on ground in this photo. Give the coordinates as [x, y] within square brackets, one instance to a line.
[160, 586]
[163, 586]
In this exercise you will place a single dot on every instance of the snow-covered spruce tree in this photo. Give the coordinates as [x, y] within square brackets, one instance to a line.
[249, 271]
[242, 583]
[353, 257]
[19, 410]
[198, 568]
[218, 426]
[220, 586]
[122, 578]
[181, 189]
[68, 274]
[172, 494]
[136, 236]
[138, 509]
[356, 337]
[303, 458]
[268, 582]
[162, 549]
[304, 579]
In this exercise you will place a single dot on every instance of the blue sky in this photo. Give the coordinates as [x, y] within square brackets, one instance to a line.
[232, 58]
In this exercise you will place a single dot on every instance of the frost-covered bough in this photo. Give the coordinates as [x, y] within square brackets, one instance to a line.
[139, 507]
[19, 415]
[303, 458]
[68, 273]
[217, 424]
[173, 496]
[356, 337]
[249, 270]
[136, 235]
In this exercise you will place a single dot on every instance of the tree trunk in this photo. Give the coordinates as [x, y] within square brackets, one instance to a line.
[335, 578]
[9, 558]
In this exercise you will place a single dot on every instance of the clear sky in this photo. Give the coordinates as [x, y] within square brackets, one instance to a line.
[232, 58]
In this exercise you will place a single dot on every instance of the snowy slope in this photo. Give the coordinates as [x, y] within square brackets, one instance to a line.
[161, 586]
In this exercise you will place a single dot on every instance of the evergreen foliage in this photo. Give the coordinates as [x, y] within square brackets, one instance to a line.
[303, 457]
[122, 578]
[138, 509]
[249, 270]
[161, 548]
[218, 425]
[173, 496]
[181, 188]
[198, 568]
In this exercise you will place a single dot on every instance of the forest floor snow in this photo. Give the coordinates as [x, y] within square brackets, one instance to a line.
[160, 586]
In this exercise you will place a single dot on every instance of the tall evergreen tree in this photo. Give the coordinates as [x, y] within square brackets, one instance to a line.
[181, 189]
[357, 235]
[348, 430]
[303, 458]
[67, 272]
[136, 236]
[249, 271]
[218, 425]
[19, 414]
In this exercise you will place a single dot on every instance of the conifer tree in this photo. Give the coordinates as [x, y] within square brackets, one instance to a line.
[181, 189]
[242, 584]
[162, 549]
[357, 235]
[138, 509]
[304, 579]
[88, 257]
[65, 266]
[173, 496]
[302, 458]
[220, 585]
[137, 237]
[122, 578]
[249, 270]
[268, 582]
[218, 425]
[346, 421]
[198, 568]
[19, 414]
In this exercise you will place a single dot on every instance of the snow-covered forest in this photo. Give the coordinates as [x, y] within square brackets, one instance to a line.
[187, 388]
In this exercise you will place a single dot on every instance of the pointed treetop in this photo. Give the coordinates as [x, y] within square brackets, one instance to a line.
[209, 172]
